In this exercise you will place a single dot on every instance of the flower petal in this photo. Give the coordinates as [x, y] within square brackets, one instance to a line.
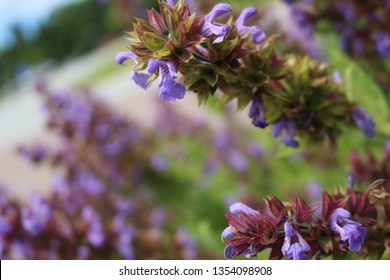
[228, 233]
[218, 10]
[239, 207]
[121, 57]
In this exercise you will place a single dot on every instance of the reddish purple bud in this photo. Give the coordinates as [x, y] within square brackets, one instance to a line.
[303, 212]
[278, 210]
[157, 21]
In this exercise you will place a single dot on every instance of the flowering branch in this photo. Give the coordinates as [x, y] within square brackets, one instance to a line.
[292, 94]
[343, 222]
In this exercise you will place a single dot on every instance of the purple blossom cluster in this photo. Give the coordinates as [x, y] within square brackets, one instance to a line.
[363, 28]
[113, 226]
[339, 223]
[98, 207]
[371, 35]
[369, 167]
[237, 58]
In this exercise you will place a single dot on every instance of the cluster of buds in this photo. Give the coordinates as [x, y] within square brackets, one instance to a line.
[368, 169]
[363, 27]
[341, 222]
[292, 94]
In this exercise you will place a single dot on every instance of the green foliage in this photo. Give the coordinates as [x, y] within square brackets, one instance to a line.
[359, 85]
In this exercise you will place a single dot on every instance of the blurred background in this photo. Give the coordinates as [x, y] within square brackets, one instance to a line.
[92, 166]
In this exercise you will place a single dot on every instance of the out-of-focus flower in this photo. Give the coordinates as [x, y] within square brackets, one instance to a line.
[258, 36]
[286, 129]
[237, 160]
[364, 121]
[187, 243]
[382, 43]
[257, 113]
[159, 163]
[36, 217]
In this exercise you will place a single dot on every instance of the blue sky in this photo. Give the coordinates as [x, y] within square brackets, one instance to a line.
[27, 13]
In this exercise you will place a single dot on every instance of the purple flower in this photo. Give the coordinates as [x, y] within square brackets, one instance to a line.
[255, 150]
[140, 79]
[5, 226]
[95, 234]
[364, 121]
[172, 3]
[349, 230]
[257, 113]
[337, 77]
[121, 57]
[237, 160]
[302, 21]
[187, 243]
[124, 244]
[89, 182]
[228, 233]
[170, 89]
[88, 214]
[387, 146]
[36, 153]
[211, 28]
[294, 245]
[83, 252]
[286, 128]
[239, 207]
[258, 34]
[36, 217]
[158, 217]
[347, 9]
[314, 190]
[230, 252]
[382, 42]
[159, 163]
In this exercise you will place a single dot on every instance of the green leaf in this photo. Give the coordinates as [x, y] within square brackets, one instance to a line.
[209, 75]
[153, 41]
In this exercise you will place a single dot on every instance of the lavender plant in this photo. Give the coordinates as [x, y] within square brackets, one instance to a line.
[98, 207]
[363, 29]
[109, 196]
[348, 221]
[294, 95]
